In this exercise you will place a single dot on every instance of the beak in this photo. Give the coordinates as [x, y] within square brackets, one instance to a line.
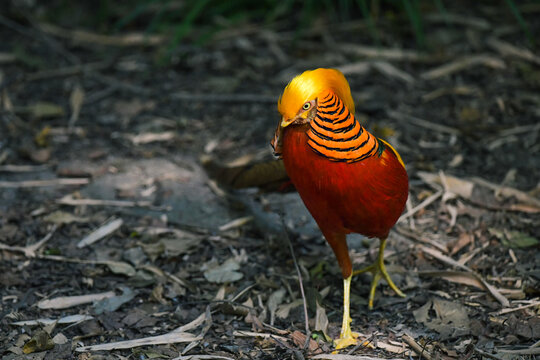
[286, 122]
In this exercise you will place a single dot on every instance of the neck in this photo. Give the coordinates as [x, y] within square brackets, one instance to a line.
[337, 135]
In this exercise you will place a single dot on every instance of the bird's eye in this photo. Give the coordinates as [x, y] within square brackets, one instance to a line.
[306, 106]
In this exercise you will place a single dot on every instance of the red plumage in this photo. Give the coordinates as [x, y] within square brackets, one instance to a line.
[365, 197]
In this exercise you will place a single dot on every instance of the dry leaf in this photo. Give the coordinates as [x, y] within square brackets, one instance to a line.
[226, 272]
[76, 100]
[461, 187]
[112, 303]
[64, 302]
[100, 233]
[40, 341]
[64, 320]
[62, 217]
[273, 302]
[448, 318]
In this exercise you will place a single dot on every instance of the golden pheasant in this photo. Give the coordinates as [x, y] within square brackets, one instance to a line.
[350, 181]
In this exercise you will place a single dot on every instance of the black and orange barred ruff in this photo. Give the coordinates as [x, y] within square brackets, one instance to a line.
[337, 135]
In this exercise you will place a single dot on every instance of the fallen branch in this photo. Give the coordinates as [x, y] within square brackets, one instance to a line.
[30, 250]
[43, 183]
[416, 347]
[178, 335]
[463, 64]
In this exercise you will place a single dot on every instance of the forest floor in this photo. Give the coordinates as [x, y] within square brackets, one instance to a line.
[115, 243]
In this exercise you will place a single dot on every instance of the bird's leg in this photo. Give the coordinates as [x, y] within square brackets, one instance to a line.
[347, 337]
[379, 270]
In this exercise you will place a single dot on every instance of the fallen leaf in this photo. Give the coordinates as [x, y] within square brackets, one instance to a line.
[284, 310]
[64, 320]
[518, 239]
[40, 341]
[64, 302]
[100, 232]
[448, 318]
[62, 217]
[76, 100]
[461, 187]
[43, 109]
[226, 272]
[122, 268]
[113, 303]
[273, 301]
[60, 339]
[321, 321]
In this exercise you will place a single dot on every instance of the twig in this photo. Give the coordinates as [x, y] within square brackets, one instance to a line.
[68, 71]
[395, 54]
[416, 347]
[33, 34]
[486, 354]
[422, 123]
[100, 233]
[449, 261]
[224, 97]
[22, 168]
[139, 90]
[70, 200]
[506, 311]
[40, 183]
[463, 64]
[505, 48]
[30, 250]
[421, 206]
[81, 37]
[300, 283]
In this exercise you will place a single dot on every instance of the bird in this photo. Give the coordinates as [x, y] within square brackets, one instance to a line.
[349, 180]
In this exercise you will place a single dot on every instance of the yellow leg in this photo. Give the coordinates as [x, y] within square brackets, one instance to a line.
[347, 337]
[379, 270]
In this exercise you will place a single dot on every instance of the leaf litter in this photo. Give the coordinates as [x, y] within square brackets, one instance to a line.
[188, 245]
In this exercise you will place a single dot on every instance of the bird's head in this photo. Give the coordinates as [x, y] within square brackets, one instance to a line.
[298, 102]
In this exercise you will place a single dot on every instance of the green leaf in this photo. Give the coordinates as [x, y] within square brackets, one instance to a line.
[518, 239]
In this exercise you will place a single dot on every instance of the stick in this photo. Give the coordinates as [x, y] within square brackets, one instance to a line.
[306, 317]
[39, 183]
[416, 347]
[223, 97]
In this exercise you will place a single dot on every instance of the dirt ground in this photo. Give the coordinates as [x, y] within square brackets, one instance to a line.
[112, 232]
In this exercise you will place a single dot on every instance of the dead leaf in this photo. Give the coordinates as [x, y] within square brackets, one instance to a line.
[461, 187]
[146, 138]
[43, 109]
[60, 339]
[226, 272]
[273, 301]
[321, 321]
[113, 303]
[76, 101]
[122, 268]
[100, 233]
[445, 317]
[40, 341]
[299, 340]
[64, 302]
[284, 310]
[62, 217]
[64, 320]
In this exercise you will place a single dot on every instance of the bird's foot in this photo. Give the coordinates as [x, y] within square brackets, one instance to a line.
[379, 271]
[346, 339]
